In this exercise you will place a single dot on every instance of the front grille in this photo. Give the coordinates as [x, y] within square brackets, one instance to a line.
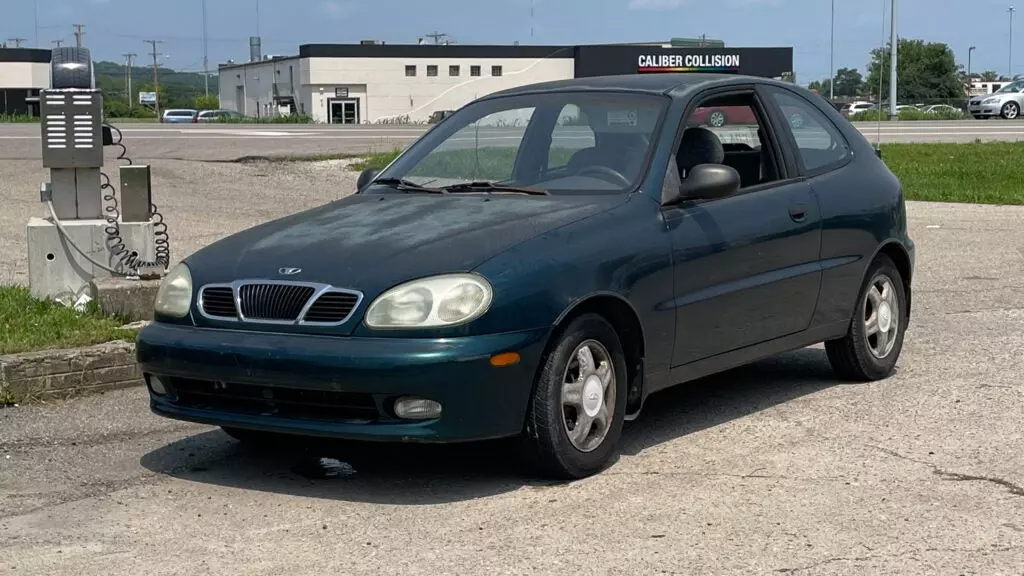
[219, 301]
[282, 302]
[331, 307]
[292, 403]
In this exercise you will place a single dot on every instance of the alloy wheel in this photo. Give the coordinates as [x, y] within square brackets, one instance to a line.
[588, 396]
[716, 119]
[881, 317]
[1011, 110]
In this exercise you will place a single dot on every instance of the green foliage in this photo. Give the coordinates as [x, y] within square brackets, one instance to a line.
[907, 114]
[28, 324]
[292, 119]
[927, 70]
[980, 172]
[177, 89]
[17, 119]
[204, 102]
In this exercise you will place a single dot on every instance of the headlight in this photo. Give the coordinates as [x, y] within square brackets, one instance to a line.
[433, 302]
[990, 101]
[174, 298]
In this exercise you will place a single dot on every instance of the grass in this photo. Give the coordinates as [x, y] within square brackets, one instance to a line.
[292, 119]
[28, 324]
[18, 119]
[907, 114]
[978, 172]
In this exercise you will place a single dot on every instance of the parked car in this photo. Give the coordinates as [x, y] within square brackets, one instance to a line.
[1005, 102]
[217, 115]
[943, 109]
[439, 115]
[179, 116]
[541, 287]
[732, 115]
[857, 107]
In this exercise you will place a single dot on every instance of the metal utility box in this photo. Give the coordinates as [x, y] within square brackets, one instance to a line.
[136, 194]
[70, 121]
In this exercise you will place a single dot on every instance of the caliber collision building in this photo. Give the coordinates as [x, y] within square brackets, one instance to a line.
[23, 73]
[377, 83]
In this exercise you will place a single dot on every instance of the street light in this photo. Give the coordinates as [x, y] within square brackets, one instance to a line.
[1011, 10]
[970, 79]
[832, 57]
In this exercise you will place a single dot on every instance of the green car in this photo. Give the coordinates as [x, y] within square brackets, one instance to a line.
[539, 265]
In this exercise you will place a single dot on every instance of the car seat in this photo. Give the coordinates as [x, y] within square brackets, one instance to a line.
[698, 146]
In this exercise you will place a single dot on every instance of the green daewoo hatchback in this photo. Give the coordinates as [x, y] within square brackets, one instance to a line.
[538, 264]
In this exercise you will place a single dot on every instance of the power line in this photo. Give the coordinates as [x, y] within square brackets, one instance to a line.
[17, 41]
[206, 61]
[156, 74]
[57, 43]
[79, 34]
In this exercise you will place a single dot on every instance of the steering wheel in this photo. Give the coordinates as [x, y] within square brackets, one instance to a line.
[601, 171]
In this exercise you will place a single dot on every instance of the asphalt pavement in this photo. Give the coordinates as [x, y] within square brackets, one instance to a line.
[228, 142]
[777, 468]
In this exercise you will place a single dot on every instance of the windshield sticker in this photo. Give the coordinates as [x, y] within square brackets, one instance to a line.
[622, 117]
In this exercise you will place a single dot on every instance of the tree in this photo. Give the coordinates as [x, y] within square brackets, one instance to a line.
[821, 86]
[848, 82]
[211, 102]
[927, 71]
[988, 76]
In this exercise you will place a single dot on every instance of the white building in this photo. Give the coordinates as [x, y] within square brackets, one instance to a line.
[23, 73]
[402, 83]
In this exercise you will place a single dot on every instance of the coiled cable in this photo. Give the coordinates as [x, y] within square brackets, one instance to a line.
[129, 259]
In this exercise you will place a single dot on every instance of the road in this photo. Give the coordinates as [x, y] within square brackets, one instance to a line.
[773, 469]
[220, 142]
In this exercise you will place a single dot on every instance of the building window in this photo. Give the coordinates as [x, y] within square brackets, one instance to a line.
[474, 70]
[410, 70]
[453, 70]
[495, 70]
[431, 70]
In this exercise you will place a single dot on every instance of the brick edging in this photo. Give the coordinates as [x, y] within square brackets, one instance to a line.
[51, 374]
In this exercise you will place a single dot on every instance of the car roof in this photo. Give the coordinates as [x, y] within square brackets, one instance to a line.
[644, 83]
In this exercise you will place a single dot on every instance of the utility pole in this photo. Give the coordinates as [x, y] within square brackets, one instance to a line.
[970, 78]
[206, 62]
[17, 41]
[57, 43]
[832, 57]
[79, 34]
[35, 22]
[156, 74]
[531, 20]
[892, 61]
[1011, 10]
[128, 76]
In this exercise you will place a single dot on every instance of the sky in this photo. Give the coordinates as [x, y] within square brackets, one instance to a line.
[115, 27]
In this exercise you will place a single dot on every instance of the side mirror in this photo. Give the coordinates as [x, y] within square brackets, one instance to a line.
[708, 182]
[366, 176]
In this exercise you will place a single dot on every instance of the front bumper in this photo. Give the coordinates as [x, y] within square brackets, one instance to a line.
[340, 387]
[984, 109]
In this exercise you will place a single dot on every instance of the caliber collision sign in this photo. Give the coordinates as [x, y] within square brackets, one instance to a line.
[655, 63]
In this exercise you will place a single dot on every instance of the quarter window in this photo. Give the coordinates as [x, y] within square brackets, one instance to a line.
[819, 142]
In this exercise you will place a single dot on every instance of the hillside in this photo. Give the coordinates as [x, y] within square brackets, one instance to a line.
[178, 89]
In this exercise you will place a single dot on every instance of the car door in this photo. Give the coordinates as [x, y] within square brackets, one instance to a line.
[746, 267]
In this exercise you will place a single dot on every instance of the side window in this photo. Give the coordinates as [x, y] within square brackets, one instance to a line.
[726, 129]
[484, 150]
[571, 134]
[819, 142]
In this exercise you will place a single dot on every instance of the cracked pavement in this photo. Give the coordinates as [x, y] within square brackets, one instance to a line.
[775, 468]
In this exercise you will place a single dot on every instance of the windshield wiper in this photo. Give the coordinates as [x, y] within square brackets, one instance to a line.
[403, 184]
[484, 186]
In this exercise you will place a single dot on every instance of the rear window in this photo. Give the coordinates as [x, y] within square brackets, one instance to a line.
[179, 113]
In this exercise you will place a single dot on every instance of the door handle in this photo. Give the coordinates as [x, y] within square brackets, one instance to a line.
[798, 212]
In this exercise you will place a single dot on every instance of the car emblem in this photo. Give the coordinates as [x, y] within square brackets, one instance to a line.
[288, 271]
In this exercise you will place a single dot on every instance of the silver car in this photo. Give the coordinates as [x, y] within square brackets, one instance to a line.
[1006, 102]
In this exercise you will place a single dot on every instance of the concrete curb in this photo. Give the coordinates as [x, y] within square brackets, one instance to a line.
[63, 374]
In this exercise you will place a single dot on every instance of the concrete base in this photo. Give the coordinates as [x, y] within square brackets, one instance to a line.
[131, 300]
[55, 267]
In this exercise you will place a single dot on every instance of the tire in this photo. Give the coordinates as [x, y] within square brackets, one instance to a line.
[854, 357]
[1010, 111]
[71, 68]
[549, 445]
[717, 118]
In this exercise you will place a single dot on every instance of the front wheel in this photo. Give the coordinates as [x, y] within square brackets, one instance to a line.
[875, 338]
[577, 411]
[1010, 111]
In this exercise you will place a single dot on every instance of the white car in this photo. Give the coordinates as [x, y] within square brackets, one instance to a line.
[857, 107]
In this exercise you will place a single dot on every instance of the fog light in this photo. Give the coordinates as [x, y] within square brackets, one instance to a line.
[157, 386]
[412, 408]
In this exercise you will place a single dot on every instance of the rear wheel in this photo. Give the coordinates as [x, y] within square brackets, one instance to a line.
[576, 414]
[872, 344]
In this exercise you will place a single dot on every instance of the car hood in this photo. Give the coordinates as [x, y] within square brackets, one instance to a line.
[371, 242]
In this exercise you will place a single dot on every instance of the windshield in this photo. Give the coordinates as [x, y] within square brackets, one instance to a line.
[1015, 87]
[563, 142]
